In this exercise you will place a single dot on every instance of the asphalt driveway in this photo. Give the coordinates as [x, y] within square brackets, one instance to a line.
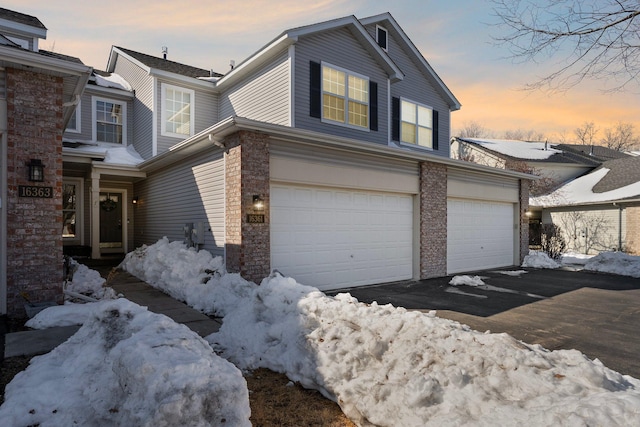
[596, 313]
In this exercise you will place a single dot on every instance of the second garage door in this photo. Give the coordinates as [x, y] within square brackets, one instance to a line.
[480, 235]
[334, 238]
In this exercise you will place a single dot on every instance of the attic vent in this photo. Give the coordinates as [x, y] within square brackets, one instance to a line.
[165, 50]
[232, 64]
[381, 37]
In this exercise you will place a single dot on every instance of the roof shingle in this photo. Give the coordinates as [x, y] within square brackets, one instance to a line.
[167, 65]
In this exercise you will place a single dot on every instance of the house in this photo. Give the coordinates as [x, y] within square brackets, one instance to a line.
[324, 155]
[599, 211]
[38, 93]
[590, 192]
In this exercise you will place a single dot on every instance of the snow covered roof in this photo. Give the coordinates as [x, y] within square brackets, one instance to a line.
[615, 180]
[112, 154]
[110, 80]
[536, 151]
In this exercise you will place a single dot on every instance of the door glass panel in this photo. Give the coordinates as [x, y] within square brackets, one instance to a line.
[110, 220]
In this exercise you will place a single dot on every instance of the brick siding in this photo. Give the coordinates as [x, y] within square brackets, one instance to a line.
[34, 225]
[433, 220]
[247, 245]
[632, 239]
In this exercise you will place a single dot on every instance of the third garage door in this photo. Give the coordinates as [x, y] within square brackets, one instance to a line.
[480, 235]
[334, 238]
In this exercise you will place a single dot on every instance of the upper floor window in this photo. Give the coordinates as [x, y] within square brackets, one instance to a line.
[345, 97]
[109, 117]
[382, 37]
[416, 124]
[74, 121]
[177, 111]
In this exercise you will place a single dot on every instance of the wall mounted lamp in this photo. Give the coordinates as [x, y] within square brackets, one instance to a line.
[36, 170]
[258, 202]
[528, 213]
[135, 200]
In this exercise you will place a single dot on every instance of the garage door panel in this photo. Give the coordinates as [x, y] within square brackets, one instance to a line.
[480, 235]
[349, 238]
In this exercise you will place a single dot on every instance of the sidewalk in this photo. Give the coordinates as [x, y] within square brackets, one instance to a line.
[27, 343]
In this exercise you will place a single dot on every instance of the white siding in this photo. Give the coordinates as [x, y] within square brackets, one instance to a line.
[189, 192]
[264, 96]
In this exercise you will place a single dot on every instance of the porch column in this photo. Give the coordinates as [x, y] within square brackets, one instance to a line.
[95, 215]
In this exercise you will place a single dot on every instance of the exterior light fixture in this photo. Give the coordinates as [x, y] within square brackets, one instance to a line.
[258, 203]
[135, 200]
[36, 170]
[528, 213]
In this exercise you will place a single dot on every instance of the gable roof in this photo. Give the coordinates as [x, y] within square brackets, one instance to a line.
[389, 22]
[21, 18]
[622, 172]
[529, 151]
[157, 63]
[597, 153]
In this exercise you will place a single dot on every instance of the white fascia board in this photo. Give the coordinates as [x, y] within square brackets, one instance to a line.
[34, 59]
[387, 18]
[262, 56]
[75, 155]
[117, 170]
[111, 63]
[24, 29]
[179, 78]
[110, 91]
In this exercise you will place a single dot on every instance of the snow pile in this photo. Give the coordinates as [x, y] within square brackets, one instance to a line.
[466, 280]
[62, 315]
[128, 366]
[616, 263]
[512, 273]
[573, 258]
[122, 156]
[518, 149]
[88, 282]
[113, 80]
[539, 259]
[194, 277]
[387, 366]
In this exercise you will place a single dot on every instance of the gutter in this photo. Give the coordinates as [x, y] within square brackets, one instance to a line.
[233, 124]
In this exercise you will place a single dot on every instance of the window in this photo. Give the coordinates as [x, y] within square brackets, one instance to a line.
[72, 209]
[177, 111]
[416, 124]
[345, 97]
[74, 121]
[109, 119]
[382, 37]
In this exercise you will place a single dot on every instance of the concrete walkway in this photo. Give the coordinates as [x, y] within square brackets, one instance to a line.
[28, 343]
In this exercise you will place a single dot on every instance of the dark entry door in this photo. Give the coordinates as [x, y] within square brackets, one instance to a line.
[111, 221]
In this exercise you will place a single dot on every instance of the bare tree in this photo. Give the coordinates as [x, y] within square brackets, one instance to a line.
[596, 39]
[544, 185]
[524, 135]
[586, 232]
[586, 134]
[473, 129]
[621, 137]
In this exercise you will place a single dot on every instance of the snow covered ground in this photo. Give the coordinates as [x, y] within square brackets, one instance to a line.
[383, 365]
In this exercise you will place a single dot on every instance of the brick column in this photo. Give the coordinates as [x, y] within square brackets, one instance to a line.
[248, 245]
[524, 219]
[433, 220]
[632, 238]
[34, 225]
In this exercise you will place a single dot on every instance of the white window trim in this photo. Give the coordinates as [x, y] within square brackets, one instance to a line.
[78, 112]
[79, 183]
[386, 49]
[346, 98]
[94, 118]
[163, 114]
[415, 144]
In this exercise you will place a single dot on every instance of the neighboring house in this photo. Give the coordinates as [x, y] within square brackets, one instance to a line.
[592, 221]
[598, 211]
[38, 93]
[324, 155]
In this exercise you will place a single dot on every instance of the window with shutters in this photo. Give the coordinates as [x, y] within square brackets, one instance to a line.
[345, 97]
[416, 123]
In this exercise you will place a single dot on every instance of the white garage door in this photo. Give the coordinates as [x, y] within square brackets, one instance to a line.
[334, 238]
[480, 235]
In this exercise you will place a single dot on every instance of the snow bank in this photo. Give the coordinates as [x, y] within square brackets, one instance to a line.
[387, 366]
[466, 280]
[62, 315]
[616, 263]
[539, 259]
[195, 277]
[128, 366]
[88, 282]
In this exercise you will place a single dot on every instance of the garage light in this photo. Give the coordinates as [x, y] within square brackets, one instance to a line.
[36, 170]
[258, 203]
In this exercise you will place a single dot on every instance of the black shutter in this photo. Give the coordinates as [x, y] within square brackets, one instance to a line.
[373, 106]
[315, 105]
[395, 119]
[435, 130]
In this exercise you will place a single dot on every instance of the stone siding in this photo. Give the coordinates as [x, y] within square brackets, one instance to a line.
[524, 219]
[632, 240]
[433, 220]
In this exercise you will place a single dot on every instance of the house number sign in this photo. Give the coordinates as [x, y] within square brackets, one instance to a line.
[255, 219]
[35, 191]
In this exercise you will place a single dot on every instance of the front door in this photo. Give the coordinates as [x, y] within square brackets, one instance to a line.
[111, 228]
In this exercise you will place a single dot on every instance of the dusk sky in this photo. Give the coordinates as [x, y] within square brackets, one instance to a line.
[454, 37]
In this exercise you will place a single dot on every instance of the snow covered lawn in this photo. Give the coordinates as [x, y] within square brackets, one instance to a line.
[383, 365]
